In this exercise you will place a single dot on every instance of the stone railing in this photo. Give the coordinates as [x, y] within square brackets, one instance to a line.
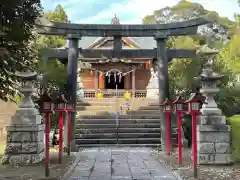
[109, 93]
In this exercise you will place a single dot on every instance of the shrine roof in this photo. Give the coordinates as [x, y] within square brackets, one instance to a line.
[143, 42]
[140, 42]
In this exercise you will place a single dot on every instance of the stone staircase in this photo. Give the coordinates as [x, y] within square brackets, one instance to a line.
[96, 124]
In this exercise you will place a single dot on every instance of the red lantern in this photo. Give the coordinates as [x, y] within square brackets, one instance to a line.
[178, 106]
[60, 103]
[194, 102]
[168, 109]
[60, 106]
[46, 104]
[167, 106]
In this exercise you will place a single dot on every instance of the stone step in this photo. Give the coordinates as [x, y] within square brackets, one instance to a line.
[113, 116]
[157, 145]
[119, 141]
[120, 101]
[120, 130]
[115, 107]
[91, 126]
[111, 111]
[113, 121]
[115, 135]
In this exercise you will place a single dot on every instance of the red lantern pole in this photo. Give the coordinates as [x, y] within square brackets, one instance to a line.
[194, 102]
[168, 118]
[47, 131]
[69, 132]
[194, 144]
[179, 118]
[60, 137]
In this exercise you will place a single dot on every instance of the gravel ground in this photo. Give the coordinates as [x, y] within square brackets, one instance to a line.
[231, 172]
[36, 172]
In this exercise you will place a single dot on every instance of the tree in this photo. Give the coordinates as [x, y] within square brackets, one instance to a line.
[182, 71]
[54, 72]
[17, 17]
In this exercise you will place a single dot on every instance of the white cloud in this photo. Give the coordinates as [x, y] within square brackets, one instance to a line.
[135, 8]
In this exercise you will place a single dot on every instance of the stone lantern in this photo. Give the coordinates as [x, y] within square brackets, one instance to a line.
[213, 133]
[25, 132]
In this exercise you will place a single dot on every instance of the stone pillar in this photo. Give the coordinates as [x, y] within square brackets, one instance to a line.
[162, 77]
[25, 133]
[72, 68]
[133, 84]
[213, 135]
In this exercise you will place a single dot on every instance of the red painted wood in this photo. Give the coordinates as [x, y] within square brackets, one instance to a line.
[168, 119]
[194, 141]
[179, 117]
[60, 137]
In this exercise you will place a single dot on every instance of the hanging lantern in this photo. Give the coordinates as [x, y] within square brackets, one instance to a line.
[120, 78]
[109, 76]
[115, 77]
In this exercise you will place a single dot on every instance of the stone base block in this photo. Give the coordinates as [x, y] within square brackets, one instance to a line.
[25, 144]
[215, 159]
[28, 116]
[22, 127]
[23, 159]
[213, 148]
[214, 144]
[211, 111]
[212, 120]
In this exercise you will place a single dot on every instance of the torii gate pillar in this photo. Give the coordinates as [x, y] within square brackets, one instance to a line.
[72, 68]
[162, 72]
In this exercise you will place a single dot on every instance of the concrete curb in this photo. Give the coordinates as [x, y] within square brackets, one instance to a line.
[71, 168]
[175, 174]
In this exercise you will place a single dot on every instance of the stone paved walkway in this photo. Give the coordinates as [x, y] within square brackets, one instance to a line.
[120, 164]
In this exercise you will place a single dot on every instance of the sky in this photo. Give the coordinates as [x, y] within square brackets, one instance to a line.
[129, 11]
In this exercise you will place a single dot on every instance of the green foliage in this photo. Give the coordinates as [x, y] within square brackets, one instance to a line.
[54, 72]
[228, 100]
[234, 121]
[182, 71]
[17, 23]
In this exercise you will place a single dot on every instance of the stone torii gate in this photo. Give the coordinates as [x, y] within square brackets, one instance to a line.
[160, 32]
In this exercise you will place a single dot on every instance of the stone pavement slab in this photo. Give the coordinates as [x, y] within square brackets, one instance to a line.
[120, 164]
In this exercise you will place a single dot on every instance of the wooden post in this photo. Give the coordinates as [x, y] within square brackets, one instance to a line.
[168, 130]
[101, 81]
[133, 84]
[194, 144]
[179, 119]
[96, 83]
[60, 143]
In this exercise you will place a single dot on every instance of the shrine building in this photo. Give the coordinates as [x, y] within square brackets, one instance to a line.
[108, 74]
